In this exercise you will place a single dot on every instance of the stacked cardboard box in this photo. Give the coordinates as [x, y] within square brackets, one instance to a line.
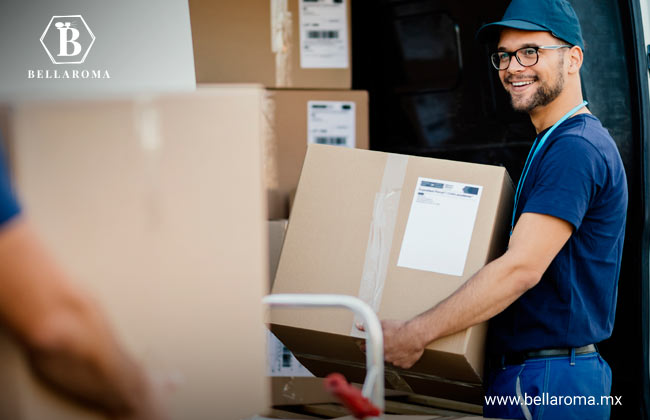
[300, 50]
[297, 118]
[294, 44]
[156, 206]
[402, 233]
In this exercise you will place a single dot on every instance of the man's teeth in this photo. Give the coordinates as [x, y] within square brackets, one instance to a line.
[517, 84]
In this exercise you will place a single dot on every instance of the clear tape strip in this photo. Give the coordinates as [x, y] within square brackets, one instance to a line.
[270, 144]
[282, 41]
[148, 121]
[380, 238]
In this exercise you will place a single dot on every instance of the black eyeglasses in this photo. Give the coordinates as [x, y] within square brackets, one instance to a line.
[526, 56]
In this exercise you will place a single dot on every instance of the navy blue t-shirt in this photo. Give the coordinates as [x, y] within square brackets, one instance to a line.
[8, 205]
[577, 176]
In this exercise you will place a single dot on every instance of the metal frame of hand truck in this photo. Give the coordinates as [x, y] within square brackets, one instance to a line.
[373, 386]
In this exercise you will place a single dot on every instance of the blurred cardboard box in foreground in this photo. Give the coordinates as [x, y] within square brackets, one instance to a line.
[156, 206]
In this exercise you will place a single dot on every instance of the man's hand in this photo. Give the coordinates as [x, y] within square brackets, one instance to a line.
[402, 345]
[66, 336]
[536, 240]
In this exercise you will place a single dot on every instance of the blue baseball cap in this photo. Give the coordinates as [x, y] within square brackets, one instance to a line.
[554, 16]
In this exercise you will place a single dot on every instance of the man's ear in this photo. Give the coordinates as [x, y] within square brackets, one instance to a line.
[575, 59]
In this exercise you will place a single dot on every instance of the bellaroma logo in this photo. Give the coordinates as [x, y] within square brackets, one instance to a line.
[67, 40]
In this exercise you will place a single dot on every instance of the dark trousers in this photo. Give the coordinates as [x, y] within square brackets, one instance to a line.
[554, 388]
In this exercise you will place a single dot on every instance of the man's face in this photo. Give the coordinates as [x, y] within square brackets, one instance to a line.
[538, 85]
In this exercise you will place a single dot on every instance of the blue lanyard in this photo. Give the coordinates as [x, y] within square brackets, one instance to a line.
[531, 157]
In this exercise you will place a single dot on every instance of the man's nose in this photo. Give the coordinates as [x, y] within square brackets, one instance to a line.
[514, 65]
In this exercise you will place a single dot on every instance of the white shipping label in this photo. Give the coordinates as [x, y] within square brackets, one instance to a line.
[280, 361]
[439, 228]
[331, 122]
[323, 34]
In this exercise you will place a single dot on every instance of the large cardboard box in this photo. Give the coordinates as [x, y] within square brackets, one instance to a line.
[156, 206]
[402, 233]
[297, 118]
[280, 43]
[299, 391]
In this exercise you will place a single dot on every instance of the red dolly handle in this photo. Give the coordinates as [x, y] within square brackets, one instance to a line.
[350, 397]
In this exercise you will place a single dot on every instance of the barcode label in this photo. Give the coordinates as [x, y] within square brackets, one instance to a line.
[331, 123]
[337, 141]
[324, 38]
[280, 360]
[286, 357]
[323, 34]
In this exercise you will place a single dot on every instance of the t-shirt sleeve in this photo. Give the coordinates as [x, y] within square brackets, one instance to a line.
[9, 206]
[568, 178]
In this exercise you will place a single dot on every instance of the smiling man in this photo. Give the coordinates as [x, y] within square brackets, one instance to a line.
[552, 296]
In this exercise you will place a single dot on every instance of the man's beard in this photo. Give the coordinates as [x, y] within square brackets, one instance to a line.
[544, 95]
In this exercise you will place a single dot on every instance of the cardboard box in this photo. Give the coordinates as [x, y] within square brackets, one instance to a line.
[301, 44]
[299, 391]
[280, 414]
[277, 229]
[307, 390]
[402, 233]
[297, 118]
[156, 206]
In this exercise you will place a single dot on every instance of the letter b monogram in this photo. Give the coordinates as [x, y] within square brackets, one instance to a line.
[67, 39]
[65, 30]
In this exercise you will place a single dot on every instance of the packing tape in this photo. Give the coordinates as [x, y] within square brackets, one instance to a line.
[390, 372]
[281, 41]
[291, 391]
[147, 122]
[270, 142]
[380, 238]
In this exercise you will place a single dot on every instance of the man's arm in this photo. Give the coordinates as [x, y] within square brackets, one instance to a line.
[535, 242]
[67, 338]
